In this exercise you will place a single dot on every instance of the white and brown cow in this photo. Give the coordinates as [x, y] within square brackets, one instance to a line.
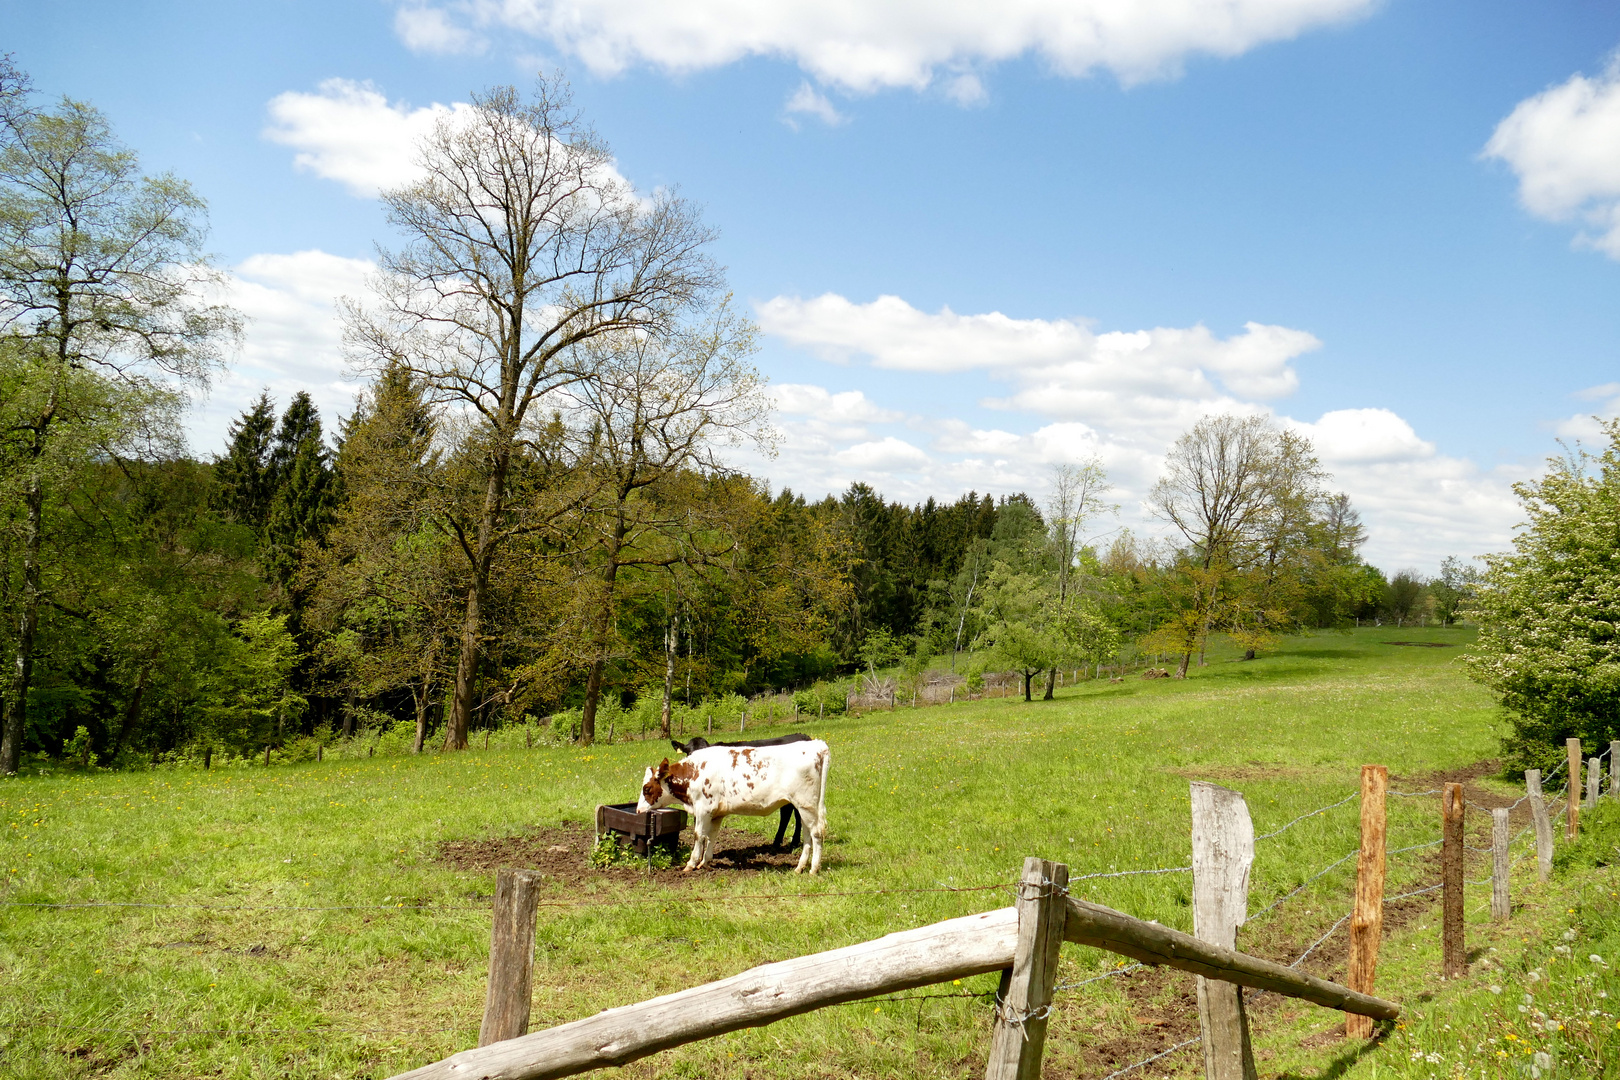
[756, 780]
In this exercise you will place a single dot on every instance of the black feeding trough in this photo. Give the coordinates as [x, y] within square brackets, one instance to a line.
[661, 828]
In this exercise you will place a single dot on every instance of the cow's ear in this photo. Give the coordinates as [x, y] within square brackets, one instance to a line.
[663, 769]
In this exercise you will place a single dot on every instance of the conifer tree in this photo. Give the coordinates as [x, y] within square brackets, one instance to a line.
[243, 488]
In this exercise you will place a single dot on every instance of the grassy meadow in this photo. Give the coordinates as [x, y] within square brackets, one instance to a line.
[332, 919]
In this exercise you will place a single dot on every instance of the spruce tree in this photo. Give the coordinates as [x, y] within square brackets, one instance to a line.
[243, 486]
[302, 503]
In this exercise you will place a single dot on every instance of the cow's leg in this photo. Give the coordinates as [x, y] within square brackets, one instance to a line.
[788, 811]
[701, 827]
[811, 854]
[798, 822]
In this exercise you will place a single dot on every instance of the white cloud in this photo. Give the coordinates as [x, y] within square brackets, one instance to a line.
[1124, 396]
[1564, 146]
[1062, 367]
[292, 342]
[1587, 425]
[431, 30]
[808, 101]
[864, 47]
[850, 406]
[1364, 437]
[349, 132]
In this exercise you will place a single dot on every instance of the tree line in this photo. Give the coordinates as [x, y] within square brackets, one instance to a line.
[530, 508]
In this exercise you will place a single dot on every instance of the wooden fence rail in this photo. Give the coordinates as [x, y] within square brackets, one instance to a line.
[956, 948]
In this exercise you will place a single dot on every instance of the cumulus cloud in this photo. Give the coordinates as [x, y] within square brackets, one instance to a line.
[432, 30]
[1587, 425]
[1121, 395]
[873, 46]
[808, 101]
[1564, 146]
[292, 342]
[1061, 366]
[350, 132]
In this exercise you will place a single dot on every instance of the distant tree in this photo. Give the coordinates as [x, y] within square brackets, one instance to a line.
[521, 244]
[1547, 610]
[304, 489]
[1077, 497]
[243, 478]
[103, 279]
[1238, 490]
[1404, 597]
[1454, 589]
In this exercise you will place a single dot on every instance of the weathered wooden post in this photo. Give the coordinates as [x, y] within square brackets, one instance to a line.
[1223, 853]
[511, 956]
[1501, 904]
[1454, 953]
[320, 752]
[1594, 778]
[208, 757]
[1572, 821]
[1367, 918]
[1543, 823]
[528, 737]
[267, 756]
[1025, 997]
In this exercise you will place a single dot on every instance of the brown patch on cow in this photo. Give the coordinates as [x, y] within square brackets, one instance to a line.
[652, 792]
[679, 776]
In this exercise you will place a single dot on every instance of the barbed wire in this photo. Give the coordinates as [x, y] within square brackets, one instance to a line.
[1302, 887]
[1310, 814]
[1155, 1057]
[1331, 931]
[1130, 873]
[570, 904]
[1099, 978]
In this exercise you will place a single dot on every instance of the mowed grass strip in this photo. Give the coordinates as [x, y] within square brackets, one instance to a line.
[270, 970]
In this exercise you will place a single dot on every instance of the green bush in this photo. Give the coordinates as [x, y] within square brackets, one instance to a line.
[565, 725]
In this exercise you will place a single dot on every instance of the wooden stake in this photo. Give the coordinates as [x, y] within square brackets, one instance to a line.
[267, 755]
[1367, 919]
[208, 757]
[1022, 1006]
[1454, 954]
[1543, 823]
[511, 956]
[1572, 822]
[1501, 904]
[1594, 778]
[528, 737]
[1223, 852]
[320, 752]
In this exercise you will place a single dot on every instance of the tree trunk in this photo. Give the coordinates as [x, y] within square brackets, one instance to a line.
[1029, 677]
[1051, 684]
[1181, 668]
[669, 674]
[133, 712]
[420, 693]
[461, 704]
[28, 625]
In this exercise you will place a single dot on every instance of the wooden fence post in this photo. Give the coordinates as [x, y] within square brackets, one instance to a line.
[1222, 854]
[1572, 821]
[511, 956]
[1367, 920]
[1501, 903]
[1454, 952]
[1025, 999]
[320, 752]
[267, 756]
[1594, 778]
[1614, 770]
[1538, 815]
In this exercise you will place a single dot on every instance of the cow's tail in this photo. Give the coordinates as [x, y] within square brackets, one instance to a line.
[821, 793]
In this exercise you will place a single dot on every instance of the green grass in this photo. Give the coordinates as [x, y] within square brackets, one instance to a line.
[917, 799]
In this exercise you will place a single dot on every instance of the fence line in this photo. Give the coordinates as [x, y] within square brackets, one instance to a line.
[1310, 814]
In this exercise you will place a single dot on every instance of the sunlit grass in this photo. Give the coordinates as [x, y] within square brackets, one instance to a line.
[950, 797]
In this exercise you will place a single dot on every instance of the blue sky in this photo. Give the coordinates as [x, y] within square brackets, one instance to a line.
[982, 239]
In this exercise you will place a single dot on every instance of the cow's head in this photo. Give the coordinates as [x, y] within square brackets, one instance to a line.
[654, 792]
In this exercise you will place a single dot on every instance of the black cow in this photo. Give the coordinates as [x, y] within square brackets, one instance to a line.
[698, 742]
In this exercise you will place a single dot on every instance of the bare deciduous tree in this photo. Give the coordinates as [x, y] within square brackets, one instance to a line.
[1077, 497]
[522, 244]
[1233, 487]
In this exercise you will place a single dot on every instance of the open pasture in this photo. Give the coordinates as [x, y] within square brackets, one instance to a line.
[332, 920]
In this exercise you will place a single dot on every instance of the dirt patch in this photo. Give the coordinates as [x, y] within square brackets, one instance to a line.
[1423, 644]
[562, 854]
